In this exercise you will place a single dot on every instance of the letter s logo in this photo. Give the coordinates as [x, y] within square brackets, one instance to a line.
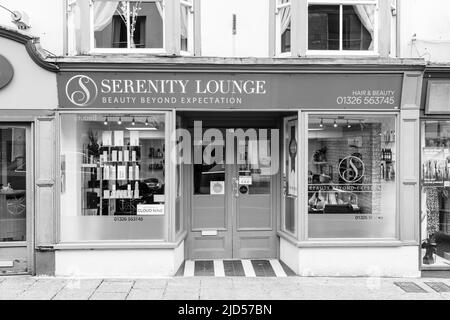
[351, 169]
[81, 90]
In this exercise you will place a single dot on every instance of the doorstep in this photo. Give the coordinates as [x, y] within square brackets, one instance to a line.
[235, 268]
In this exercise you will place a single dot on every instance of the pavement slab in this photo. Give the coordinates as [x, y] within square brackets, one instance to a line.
[218, 288]
[108, 296]
[115, 286]
[146, 294]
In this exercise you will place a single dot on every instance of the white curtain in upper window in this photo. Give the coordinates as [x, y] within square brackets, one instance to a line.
[184, 23]
[366, 14]
[285, 16]
[159, 6]
[103, 13]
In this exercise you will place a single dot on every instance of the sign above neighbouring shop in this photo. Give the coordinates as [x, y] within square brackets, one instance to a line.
[6, 72]
[229, 90]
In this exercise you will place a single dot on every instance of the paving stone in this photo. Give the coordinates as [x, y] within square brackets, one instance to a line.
[150, 283]
[184, 282]
[115, 286]
[181, 294]
[216, 283]
[10, 294]
[147, 294]
[74, 294]
[108, 295]
[82, 284]
[17, 283]
[216, 294]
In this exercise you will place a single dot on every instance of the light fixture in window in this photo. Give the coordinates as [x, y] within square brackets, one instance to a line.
[321, 123]
[335, 123]
[133, 122]
[119, 122]
[106, 121]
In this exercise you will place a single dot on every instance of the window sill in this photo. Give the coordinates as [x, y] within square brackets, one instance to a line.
[107, 245]
[105, 51]
[340, 54]
[344, 243]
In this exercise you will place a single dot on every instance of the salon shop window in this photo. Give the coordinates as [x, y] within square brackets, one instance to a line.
[352, 174]
[435, 202]
[112, 170]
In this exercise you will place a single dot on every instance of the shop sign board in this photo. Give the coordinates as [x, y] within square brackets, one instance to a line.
[6, 72]
[229, 90]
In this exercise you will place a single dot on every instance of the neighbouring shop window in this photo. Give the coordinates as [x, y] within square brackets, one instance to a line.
[186, 26]
[341, 27]
[13, 184]
[436, 194]
[113, 177]
[284, 25]
[290, 172]
[127, 24]
[352, 190]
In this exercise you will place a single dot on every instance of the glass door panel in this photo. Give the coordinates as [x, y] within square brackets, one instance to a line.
[13, 199]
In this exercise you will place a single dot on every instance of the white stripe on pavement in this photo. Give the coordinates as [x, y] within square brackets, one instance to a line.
[276, 266]
[219, 270]
[248, 268]
[189, 268]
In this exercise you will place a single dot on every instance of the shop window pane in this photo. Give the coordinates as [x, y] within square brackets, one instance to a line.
[323, 27]
[113, 177]
[114, 19]
[13, 178]
[352, 177]
[435, 194]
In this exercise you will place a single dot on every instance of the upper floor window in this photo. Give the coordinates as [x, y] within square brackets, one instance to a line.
[186, 26]
[127, 25]
[342, 26]
[283, 21]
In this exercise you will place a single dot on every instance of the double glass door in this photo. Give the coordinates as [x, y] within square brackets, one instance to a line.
[232, 209]
[15, 165]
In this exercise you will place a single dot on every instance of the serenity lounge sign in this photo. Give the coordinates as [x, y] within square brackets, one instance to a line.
[220, 90]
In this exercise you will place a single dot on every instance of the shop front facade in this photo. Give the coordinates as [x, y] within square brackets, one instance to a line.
[28, 98]
[313, 164]
[435, 223]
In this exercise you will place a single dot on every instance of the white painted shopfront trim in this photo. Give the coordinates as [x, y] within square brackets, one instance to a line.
[351, 261]
[126, 263]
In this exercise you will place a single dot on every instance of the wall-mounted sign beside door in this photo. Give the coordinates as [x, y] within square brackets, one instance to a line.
[6, 72]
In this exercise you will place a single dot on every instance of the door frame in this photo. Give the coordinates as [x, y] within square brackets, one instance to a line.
[231, 200]
[30, 195]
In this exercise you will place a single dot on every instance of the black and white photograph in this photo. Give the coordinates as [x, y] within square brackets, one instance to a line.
[224, 156]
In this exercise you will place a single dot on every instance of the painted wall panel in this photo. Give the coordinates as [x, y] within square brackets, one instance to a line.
[31, 87]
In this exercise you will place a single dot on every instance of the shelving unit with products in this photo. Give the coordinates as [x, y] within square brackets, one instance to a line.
[122, 173]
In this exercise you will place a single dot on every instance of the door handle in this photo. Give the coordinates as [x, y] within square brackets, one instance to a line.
[236, 187]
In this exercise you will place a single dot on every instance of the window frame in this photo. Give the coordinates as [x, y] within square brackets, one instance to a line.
[341, 51]
[303, 207]
[94, 50]
[278, 35]
[169, 225]
[190, 28]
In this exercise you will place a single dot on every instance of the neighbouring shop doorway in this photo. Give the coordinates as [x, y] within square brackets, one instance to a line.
[235, 203]
[15, 199]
